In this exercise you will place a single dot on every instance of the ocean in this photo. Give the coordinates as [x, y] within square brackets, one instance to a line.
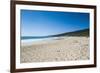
[36, 39]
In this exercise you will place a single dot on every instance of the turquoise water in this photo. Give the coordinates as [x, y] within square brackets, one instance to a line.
[35, 39]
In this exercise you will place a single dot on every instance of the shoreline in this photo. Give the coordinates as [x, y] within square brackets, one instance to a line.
[40, 41]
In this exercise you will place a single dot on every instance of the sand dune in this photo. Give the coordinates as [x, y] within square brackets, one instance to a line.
[62, 49]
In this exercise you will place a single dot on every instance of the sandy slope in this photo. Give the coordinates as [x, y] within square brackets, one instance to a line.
[62, 49]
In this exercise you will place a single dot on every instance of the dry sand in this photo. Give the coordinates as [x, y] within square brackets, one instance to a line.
[62, 49]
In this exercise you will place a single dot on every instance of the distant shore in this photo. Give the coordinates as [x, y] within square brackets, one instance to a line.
[59, 49]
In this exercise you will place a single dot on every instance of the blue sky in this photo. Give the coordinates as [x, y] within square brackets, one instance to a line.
[43, 23]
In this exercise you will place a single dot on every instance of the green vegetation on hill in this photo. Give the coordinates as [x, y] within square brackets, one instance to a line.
[84, 32]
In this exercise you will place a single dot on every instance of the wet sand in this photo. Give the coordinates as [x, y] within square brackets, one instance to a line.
[62, 49]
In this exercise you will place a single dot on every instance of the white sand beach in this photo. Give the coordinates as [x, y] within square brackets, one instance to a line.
[62, 49]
